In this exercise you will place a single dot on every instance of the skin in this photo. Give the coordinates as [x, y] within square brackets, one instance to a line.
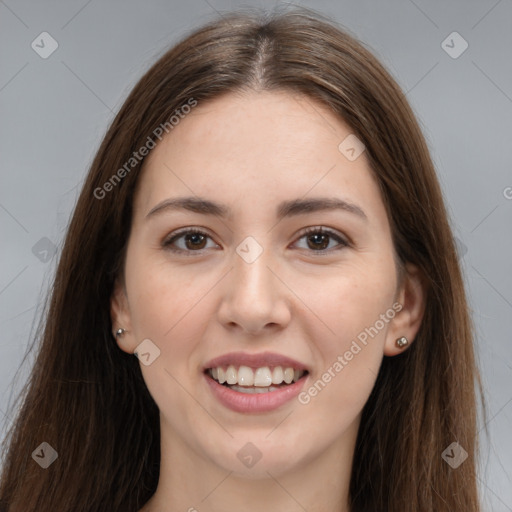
[250, 151]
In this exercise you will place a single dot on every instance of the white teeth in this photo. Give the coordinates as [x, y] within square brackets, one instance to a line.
[288, 375]
[262, 377]
[277, 375]
[253, 390]
[231, 375]
[245, 376]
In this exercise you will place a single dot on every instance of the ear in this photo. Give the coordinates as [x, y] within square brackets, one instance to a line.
[407, 321]
[121, 318]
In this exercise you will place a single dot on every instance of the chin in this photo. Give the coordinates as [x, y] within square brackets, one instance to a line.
[255, 456]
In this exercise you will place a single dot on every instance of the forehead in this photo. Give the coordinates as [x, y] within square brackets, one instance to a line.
[259, 147]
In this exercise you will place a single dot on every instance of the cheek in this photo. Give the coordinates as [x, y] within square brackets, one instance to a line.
[167, 307]
[160, 296]
[164, 307]
[349, 304]
[355, 310]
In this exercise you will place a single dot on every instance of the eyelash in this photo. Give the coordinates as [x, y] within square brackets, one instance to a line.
[167, 243]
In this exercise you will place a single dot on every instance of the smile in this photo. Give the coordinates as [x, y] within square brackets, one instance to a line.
[254, 383]
[245, 379]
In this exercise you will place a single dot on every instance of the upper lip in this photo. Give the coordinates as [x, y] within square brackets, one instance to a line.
[255, 360]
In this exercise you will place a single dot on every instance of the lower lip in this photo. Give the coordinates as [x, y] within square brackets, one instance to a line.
[257, 402]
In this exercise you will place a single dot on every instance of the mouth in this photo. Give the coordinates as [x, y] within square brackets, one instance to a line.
[264, 379]
[254, 383]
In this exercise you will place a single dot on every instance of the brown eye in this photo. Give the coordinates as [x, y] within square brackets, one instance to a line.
[320, 240]
[187, 241]
[195, 241]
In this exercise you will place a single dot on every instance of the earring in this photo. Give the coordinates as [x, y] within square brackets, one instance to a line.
[402, 342]
[120, 332]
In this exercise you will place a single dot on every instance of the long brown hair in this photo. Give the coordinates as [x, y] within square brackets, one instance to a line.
[87, 399]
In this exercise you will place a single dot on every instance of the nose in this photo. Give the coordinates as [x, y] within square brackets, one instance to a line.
[254, 298]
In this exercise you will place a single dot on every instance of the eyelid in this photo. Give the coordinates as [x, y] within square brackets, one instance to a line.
[185, 231]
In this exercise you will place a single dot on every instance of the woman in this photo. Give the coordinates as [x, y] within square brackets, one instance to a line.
[263, 229]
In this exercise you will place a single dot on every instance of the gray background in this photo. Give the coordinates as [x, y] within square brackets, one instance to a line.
[54, 112]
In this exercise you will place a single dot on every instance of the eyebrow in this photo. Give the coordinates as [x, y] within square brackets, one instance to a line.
[285, 209]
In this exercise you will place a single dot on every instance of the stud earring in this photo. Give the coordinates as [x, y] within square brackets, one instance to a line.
[402, 342]
[120, 332]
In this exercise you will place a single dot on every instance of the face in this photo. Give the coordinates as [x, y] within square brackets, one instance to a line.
[287, 263]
